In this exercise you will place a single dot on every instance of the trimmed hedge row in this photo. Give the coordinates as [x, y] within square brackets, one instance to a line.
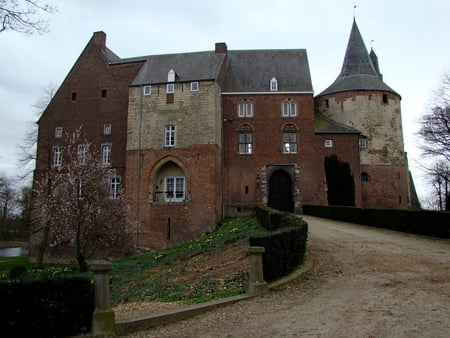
[285, 246]
[48, 307]
[420, 222]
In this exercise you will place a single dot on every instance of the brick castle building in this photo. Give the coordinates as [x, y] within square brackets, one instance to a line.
[196, 137]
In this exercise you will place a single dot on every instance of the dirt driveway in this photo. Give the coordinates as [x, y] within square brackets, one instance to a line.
[365, 282]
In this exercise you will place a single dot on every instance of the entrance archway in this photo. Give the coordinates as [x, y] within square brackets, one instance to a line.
[280, 191]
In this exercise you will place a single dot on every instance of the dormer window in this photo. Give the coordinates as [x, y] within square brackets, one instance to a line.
[273, 85]
[171, 76]
[171, 80]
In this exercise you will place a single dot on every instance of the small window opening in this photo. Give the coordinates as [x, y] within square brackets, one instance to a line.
[385, 99]
[238, 209]
[74, 96]
[104, 91]
[147, 90]
[327, 103]
[246, 189]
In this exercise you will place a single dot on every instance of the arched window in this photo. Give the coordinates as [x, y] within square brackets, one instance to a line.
[290, 138]
[169, 184]
[288, 108]
[245, 139]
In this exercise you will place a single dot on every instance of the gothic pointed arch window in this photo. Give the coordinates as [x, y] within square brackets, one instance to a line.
[273, 84]
[290, 131]
[245, 139]
[169, 183]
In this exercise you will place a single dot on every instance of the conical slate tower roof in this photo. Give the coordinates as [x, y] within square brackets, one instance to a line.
[358, 71]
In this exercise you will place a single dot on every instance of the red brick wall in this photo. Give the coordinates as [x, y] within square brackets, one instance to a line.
[200, 212]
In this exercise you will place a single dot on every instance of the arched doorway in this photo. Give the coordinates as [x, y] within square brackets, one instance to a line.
[280, 191]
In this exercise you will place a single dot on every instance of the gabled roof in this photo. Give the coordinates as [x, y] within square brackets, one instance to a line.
[252, 70]
[324, 125]
[358, 71]
[188, 67]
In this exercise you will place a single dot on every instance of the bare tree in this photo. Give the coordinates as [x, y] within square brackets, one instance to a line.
[7, 205]
[24, 16]
[435, 134]
[27, 149]
[79, 204]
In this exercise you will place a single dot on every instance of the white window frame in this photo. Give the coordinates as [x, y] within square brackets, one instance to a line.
[194, 86]
[289, 108]
[174, 189]
[170, 135]
[245, 109]
[106, 152]
[170, 88]
[58, 132]
[328, 143]
[82, 152]
[147, 90]
[289, 142]
[56, 156]
[116, 187]
[273, 84]
[107, 128]
[362, 142]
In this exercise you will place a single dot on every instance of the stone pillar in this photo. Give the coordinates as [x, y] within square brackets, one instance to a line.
[103, 321]
[256, 283]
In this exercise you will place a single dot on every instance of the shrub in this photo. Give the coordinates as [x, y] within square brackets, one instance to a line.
[61, 306]
[285, 247]
[420, 222]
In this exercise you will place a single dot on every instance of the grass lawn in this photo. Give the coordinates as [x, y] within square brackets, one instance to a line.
[210, 267]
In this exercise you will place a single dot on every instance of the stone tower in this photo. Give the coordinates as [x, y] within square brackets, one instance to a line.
[359, 98]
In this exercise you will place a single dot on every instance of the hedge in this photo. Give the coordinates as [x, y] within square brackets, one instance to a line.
[48, 307]
[285, 245]
[420, 222]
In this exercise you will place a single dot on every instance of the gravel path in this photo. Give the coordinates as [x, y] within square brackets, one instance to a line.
[365, 282]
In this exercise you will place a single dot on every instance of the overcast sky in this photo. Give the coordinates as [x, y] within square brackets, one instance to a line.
[411, 39]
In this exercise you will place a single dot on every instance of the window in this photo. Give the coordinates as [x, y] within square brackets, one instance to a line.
[385, 99]
[174, 189]
[273, 85]
[107, 129]
[290, 139]
[106, 154]
[56, 156]
[74, 96]
[289, 108]
[147, 90]
[245, 139]
[194, 86]
[362, 142]
[83, 150]
[169, 135]
[58, 132]
[364, 177]
[104, 91]
[245, 109]
[80, 189]
[170, 78]
[327, 103]
[116, 187]
[328, 143]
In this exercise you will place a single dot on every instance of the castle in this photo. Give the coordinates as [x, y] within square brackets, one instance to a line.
[196, 137]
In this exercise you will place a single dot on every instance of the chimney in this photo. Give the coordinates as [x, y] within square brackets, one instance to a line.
[221, 48]
[100, 39]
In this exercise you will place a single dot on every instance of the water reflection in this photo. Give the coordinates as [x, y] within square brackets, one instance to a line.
[13, 252]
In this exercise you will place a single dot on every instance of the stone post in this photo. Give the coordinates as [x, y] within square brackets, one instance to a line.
[103, 321]
[256, 284]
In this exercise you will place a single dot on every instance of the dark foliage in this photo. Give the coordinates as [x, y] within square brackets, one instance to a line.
[48, 307]
[340, 182]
